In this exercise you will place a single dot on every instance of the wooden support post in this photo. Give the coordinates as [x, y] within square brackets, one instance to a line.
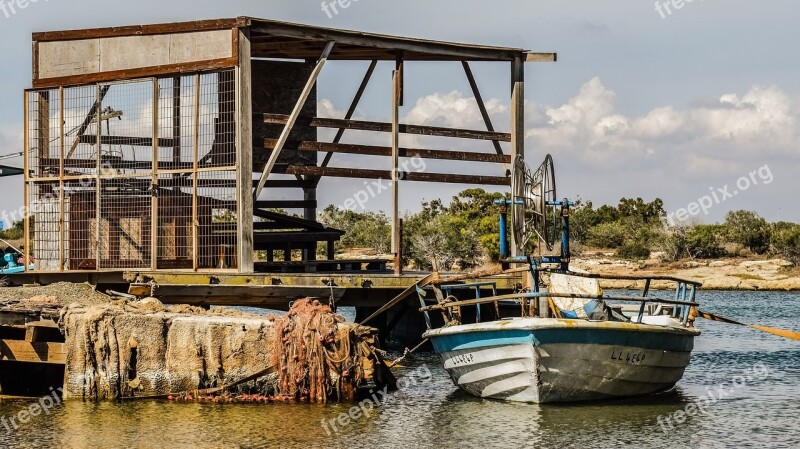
[287, 129]
[176, 118]
[310, 213]
[399, 67]
[396, 250]
[176, 135]
[244, 155]
[311, 252]
[26, 183]
[331, 250]
[195, 163]
[98, 181]
[43, 128]
[154, 198]
[517, 132]
[61, 216]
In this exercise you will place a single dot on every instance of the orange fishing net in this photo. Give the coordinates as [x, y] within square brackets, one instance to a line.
[318, 356]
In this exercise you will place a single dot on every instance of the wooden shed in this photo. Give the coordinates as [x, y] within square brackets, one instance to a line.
[151, 147]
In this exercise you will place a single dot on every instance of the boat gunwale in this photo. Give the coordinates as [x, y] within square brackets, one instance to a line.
[536, 323]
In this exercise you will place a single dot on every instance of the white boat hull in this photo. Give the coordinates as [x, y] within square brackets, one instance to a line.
[552, 360]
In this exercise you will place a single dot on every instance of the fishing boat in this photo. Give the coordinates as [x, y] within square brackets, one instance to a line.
[561, 338]
[12, 257]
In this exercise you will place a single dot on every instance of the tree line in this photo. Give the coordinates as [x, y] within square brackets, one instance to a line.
[466, 233]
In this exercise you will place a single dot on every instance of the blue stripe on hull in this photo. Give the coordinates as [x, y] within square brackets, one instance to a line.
[636, 339]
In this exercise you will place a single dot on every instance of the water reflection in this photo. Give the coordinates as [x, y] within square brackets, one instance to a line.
[433, 413]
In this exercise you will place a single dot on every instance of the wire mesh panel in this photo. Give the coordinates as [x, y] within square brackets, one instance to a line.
[176, 233]
[134, 175]
[80, 230]
[128, 140]
[44, 137]
[45, 225]
[217, 120]
[218, 213]
[81, 117]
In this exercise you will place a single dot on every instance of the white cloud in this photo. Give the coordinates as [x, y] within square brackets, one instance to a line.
[734, 133]
[452, 110]
[670, 151]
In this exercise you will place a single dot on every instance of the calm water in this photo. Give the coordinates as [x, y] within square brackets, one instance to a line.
[763, 411]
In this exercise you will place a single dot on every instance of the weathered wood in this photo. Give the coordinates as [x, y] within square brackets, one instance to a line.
[272, 226]
[286, 183]
[26, 170]
[427, 280]
[116, 162]
[244, 153]
[285, 204]
[395, 166]
[296, 237]
[292, 119]
[359, 173]
[118, 75]
[541, 57]
[195, 177]
[412, 49]
[140, 30]
[43, 331]
[361, 125]
[23, 351]
[166, 142]
[517, 132]
[63, 222]
[289, 220]
[43, 126]
[373, 150]
[154, 201]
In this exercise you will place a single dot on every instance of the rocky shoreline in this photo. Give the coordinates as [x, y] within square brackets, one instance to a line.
[722, 274]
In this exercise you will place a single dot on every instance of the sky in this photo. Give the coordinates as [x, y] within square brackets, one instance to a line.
[694, 105]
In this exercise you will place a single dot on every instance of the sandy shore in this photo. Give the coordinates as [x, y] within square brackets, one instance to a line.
[722, 274]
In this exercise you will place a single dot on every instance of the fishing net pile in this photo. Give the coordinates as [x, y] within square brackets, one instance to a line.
[142, 349]
[319, 357]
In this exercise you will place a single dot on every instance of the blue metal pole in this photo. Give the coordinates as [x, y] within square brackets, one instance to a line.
[504, 253]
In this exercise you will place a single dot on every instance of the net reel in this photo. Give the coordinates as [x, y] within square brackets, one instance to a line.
[534, 212]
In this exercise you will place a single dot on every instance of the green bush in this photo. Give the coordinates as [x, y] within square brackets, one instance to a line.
[363, 230]
[607, 235]
[748, 229]
[785, 242]
[634, 251]
[706, 241]
[672, 243]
